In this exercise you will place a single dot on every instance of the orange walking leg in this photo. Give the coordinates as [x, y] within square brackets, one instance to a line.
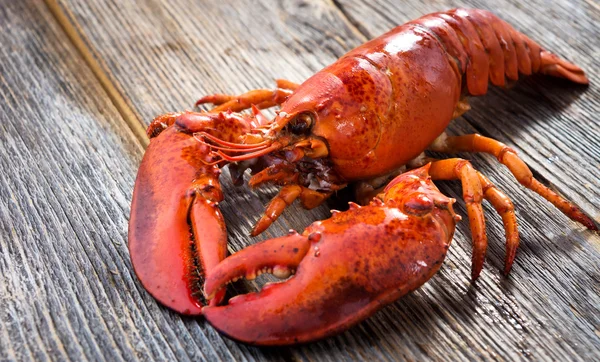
[457, 168]
[505, 208]
[286, 196]
[475, 187]
[261, 98]
[509, 158]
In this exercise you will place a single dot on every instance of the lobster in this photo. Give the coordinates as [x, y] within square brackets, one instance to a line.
[365, 119]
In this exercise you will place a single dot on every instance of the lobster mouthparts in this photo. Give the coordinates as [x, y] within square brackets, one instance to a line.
[347, 267]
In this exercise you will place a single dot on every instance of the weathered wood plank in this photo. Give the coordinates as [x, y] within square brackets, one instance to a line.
[163, 56]
[67, 162]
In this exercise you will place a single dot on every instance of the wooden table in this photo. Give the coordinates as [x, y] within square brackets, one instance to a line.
[80, 80]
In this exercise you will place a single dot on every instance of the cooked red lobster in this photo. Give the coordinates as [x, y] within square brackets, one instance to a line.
[365, 119]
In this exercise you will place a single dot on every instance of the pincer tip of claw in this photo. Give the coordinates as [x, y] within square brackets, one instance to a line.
[210, 298]
[450, 207]
[447, 205]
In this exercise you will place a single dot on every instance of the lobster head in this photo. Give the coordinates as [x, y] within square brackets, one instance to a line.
[333, 117]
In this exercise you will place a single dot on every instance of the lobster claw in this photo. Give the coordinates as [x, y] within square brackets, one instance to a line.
[347, 267]
[176, 231]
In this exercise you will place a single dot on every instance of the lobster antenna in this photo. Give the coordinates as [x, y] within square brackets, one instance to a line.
[275, 146]
[231, 149]
[239, 150]
[224, 143]
[212, 163]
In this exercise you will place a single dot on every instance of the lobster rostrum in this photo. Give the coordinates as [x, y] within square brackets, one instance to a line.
[365, 119]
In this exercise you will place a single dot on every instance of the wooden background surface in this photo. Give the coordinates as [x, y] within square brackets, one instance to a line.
[80, 79]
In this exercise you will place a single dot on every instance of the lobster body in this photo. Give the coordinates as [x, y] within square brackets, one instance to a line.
[375, 110]
[372, 98]
[383, 103]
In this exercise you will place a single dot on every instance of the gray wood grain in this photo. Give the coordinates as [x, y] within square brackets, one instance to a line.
[69, 163]
[63, 202]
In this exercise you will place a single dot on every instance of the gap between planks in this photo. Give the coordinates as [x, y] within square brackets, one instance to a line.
[132, 120]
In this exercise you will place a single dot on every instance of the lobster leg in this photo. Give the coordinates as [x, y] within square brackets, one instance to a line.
[509, 158]
[450, 170]
[286, 84]
[262, 98]
[456, 168]
[286, 196]
[505, 208]
[284, 172]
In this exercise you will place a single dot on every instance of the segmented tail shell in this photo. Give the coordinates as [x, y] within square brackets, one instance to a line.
[484, 47]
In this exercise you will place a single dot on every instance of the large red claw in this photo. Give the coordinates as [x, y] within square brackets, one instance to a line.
[279, 256]
[163, 252]
[176, 232]
[355, 263]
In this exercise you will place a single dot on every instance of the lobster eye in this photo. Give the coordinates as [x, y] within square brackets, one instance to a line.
[301, 123]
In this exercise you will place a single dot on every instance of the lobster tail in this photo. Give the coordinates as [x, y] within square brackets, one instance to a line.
[482, 47]
[557, 67]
